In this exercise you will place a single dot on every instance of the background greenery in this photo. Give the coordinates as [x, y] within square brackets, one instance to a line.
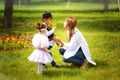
[101, 30]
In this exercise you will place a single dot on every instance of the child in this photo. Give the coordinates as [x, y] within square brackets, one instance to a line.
[47, 17]
[41, 54]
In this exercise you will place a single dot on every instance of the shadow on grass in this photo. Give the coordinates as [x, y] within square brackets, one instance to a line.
[99, 64]
[73, 70]
[105, 24]
[59, 72]
[64, 11]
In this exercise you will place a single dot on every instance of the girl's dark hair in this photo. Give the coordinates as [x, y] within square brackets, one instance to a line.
[71, 23]
[40, 26]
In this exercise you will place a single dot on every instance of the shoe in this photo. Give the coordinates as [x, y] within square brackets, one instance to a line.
[84, 63]
[73, 65]
[44, 66]
[55, 66]
[76, 65]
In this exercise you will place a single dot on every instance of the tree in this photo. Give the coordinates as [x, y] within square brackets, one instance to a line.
[119, 5]
[68, 3]
[106, 4]
[8, 14]
[19, 2]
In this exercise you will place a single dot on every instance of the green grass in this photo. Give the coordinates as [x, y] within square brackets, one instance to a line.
[61, 6]
[104, 50]
[101, 30]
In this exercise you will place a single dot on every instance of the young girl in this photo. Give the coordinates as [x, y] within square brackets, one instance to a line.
[41, 53]
[76, 50]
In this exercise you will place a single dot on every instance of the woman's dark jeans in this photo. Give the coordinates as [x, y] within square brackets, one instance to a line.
[78, 58]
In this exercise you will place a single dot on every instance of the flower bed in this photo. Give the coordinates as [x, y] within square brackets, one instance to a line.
[15, 41]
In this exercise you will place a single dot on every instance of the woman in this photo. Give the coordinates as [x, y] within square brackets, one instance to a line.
[76, 50]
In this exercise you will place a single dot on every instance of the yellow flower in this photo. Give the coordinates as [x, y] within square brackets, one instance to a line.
[7, 39]
[54, 24]
[26, 41]
[18, 42]
[14, 39]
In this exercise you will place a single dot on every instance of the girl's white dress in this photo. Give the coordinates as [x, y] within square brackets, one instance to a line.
[39, 55]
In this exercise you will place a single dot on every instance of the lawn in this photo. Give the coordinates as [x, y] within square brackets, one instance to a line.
[101, 30]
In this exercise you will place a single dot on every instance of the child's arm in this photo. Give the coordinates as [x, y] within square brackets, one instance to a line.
[48, 33]
[58, 41]
[46, 49]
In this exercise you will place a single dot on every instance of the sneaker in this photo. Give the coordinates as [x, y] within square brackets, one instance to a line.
[55, 66]
[84, 63]
[44, 66]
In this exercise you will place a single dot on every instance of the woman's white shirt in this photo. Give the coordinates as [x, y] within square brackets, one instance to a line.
[75, 43]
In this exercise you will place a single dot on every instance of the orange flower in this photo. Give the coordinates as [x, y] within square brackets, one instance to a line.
[6, 40]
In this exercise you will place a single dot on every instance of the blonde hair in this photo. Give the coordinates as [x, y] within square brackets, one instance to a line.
[71, 23]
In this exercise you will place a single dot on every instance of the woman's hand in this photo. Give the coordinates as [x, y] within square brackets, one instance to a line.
[59, 43]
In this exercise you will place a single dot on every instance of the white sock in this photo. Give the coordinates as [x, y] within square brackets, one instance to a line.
[40, 66]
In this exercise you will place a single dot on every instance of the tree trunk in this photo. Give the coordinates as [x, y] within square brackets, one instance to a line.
[68, 3]
[8, 14]
[106, 4]
[19, 2]
[119, 5]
